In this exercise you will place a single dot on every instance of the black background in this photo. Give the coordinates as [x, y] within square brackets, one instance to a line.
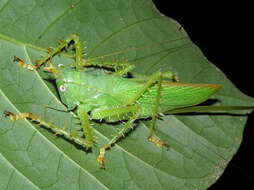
[223, 33]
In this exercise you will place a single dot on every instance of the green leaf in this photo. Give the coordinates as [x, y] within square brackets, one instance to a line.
[33, 158]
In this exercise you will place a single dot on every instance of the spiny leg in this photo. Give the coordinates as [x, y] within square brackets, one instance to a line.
[151, 137]
[124, 70]
[156, 107]
[57, 130]
[119, 68]
[153, 79]
[165, 75]
[124, 67]
[108, 113]
[87, 129]
[156, 78]
[118, 112]
[22, 64]
[64, 44]
[31, 67]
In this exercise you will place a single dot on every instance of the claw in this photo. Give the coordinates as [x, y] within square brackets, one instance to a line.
[9, 114]
[15, 117]
[159, 143]
[175, 78]
[101, 162]
[101, 156]
[22, 64]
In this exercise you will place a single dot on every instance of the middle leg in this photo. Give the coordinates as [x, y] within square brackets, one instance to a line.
[124, 110]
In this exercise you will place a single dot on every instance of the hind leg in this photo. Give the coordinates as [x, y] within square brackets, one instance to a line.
[154, 79]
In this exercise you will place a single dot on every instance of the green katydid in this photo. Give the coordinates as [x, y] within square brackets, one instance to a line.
[99, 91]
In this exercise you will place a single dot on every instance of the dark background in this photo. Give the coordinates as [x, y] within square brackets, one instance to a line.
[223, 33]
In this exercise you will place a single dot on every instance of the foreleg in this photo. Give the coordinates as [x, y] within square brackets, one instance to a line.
[64, 44]
[85, 124]
[57, 130]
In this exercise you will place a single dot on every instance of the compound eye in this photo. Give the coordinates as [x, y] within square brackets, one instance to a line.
[62, 88]
[60, 65]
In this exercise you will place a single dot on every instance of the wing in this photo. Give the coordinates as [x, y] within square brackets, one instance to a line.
[177, 95]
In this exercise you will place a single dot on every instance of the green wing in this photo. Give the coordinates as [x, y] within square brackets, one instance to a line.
[178, 95]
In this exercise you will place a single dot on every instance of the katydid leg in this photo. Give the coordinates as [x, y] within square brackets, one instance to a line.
[116, 137]
[55, 129]
[119, 68]
[114, 112]
[64, 44]
[156, 107]
[156, 78]
[87, 129]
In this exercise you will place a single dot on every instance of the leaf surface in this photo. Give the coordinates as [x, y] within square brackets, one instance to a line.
[33, 158]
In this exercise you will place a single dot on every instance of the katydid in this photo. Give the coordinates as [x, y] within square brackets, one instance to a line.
[99, 91]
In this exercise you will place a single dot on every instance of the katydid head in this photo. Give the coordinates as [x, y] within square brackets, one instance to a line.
[62, 88]
[65, 84]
